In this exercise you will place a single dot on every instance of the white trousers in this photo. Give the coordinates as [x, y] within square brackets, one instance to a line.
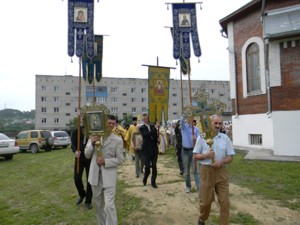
[104, 199]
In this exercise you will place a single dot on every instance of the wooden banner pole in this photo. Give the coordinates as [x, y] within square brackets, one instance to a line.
[79, 117]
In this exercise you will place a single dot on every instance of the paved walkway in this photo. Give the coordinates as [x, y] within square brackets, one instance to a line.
[258, 154]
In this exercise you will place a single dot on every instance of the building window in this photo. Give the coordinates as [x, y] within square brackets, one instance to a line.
[255, 139]
[174, 113]
[143, 90]
[56, 99]
[124, 94]
[133, 110]
[56, 109]
[56, 88]
[44, 88]
[44, 120]
[253, 68]
[114, 89]
[174, 95]
[133, 99]
[56, 120]
[114, 100]
[68, 114]
[124, 114]
[144, 100]
[101, 99]
[144, 109]
[124, 104]
[43, 110]
[132, 90]
[68, 93]
[43, 99]
[114, 110]
[68, 104]
[174, 104]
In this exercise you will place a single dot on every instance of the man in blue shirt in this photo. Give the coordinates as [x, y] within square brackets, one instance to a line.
[213, 165]
[189, 138]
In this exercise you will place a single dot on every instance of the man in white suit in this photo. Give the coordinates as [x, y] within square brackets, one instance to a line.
[103, 173]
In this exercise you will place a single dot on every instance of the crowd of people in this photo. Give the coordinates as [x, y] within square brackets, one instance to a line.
[141, 143]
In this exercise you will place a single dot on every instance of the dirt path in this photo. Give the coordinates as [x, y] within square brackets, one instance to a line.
[170, 205]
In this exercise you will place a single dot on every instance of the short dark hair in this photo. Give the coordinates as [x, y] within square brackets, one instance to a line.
[111, 117]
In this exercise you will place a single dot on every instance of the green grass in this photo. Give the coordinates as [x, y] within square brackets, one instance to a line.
[271, 180]
[39, 189]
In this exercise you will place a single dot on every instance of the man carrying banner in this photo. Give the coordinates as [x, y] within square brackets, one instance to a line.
[149, 149]
[189, 134]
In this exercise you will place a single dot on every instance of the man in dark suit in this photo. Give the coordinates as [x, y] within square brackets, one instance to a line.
[84, 163]
[149, 149]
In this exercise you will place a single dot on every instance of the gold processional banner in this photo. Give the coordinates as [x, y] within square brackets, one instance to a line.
[158, 93]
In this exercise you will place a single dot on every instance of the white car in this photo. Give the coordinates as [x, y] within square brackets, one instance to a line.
[8, 147]
[61, 139]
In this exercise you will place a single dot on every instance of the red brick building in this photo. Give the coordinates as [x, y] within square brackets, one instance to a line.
[264, 53]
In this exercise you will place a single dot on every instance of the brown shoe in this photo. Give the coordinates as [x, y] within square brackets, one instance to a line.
[200, 223]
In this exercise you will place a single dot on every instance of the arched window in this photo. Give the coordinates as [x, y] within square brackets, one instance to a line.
[253, 68]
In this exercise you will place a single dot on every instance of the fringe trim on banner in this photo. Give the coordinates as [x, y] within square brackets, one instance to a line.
[185, 23]
[81, 20]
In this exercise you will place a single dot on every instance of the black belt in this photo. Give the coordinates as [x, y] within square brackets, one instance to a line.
[188, 149]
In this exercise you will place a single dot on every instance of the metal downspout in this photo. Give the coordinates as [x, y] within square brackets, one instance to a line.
[266, 44]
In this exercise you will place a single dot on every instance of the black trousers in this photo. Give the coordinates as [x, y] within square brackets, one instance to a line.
[150, 160]
[84, 163]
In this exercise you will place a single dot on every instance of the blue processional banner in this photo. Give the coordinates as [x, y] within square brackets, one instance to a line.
[93, 64]
[80, 24]
[185, 64]
[185, 23]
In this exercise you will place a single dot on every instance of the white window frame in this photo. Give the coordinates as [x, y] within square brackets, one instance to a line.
[114, 110]
[260, 43]
[114, 100]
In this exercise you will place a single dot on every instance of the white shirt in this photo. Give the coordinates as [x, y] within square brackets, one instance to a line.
[222, 147]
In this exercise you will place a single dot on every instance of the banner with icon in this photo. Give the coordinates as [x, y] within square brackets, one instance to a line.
[80, 24]
[185, 27]
[158, 78]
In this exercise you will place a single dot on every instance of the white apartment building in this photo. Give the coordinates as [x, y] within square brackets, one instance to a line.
[56, 100]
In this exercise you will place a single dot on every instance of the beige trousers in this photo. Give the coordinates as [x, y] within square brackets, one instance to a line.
[214, 181]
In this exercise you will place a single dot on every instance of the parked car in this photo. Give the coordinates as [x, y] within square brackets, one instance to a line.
[61, 139]
[8, 147]
[34, 140]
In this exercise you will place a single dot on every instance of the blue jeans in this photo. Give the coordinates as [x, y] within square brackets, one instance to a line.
[188, 161]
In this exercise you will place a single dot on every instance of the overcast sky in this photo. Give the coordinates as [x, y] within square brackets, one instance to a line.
[34, 41]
